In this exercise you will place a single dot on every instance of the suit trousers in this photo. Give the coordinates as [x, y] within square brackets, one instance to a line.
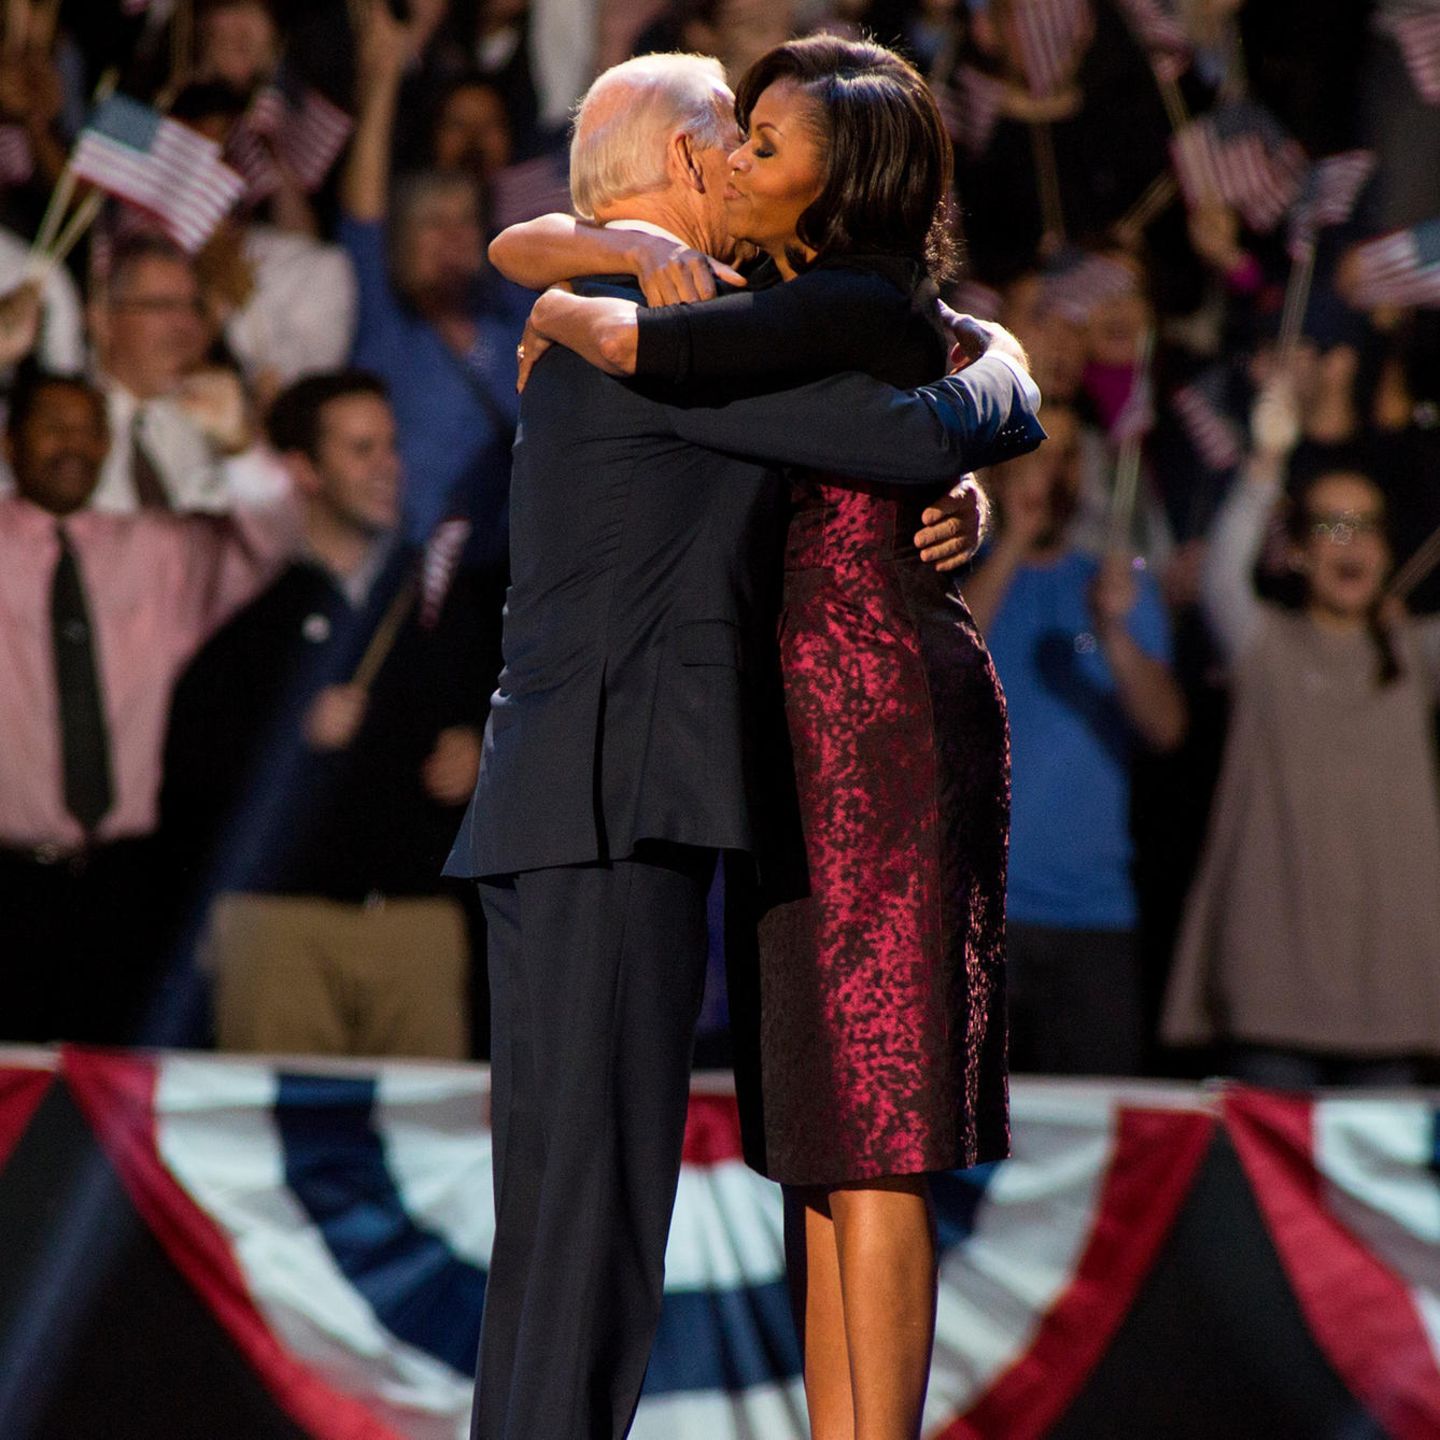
[596, 977]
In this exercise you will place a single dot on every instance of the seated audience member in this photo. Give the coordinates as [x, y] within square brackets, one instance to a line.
[181, 436]
[1082, 648]
[322, 798]
[285, 301]
[1309, 947]
[434, 321]
[98, 614]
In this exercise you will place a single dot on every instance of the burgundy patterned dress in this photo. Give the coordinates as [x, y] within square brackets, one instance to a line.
[881, 987]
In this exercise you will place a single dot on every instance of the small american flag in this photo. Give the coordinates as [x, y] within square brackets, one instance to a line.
[970, 107]
[1401, 269]
[1416, 30]
[1161, 33]
[1239, 154]
[1077, 282]
[438, 565]
[1048, 39]
[1328, 197]
[171, 172]
[303, 131]
[1218, 439]
[529, 188]
[17, 159]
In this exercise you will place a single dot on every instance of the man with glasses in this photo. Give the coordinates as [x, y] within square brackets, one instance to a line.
[180, 435]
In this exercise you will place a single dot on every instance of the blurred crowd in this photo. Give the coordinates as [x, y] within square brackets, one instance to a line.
[253, 520]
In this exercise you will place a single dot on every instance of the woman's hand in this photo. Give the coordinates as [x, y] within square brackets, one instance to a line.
[599, 329]
[674, 274]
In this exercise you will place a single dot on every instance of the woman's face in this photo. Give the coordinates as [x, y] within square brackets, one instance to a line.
[1343, 554]
[776, 174]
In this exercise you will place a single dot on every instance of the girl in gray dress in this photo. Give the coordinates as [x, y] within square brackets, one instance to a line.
[1311, 942]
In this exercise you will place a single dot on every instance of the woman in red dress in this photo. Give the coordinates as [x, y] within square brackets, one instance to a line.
[882, 1034]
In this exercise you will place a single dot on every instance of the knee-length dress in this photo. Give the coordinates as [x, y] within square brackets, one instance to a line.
[881, 982]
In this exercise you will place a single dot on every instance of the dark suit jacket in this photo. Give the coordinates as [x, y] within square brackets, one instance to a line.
[638, 699]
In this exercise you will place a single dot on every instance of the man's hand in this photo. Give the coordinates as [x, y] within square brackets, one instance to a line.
[19, 322]
[334, 717]
[386, 46]
[973, 338]
[450, 769]
[672, 274]
[214, 399]
[954, 527]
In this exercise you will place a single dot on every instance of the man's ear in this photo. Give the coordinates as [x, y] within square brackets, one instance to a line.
[686, 163]
[304, 475]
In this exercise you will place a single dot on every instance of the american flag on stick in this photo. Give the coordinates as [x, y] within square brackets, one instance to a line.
[1239, 155]
[17, 159]
[1078, 282]
[970, 107]
[1048, 39]
[1161, 33]
[527, 189]
[1217, 438]
[438, 566]
[134, 153]
[290, 125]
[1402, 269]
[1416, 30]
[1328, 196]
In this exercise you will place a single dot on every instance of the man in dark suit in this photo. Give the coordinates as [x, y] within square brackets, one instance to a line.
[626, 747]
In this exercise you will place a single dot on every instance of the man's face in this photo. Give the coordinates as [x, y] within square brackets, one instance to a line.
[154, 326]
[57, 452]
[442, 249]
[715, 169]
[356, 470]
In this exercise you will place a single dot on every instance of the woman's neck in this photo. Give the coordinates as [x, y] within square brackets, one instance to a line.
[1336, 622]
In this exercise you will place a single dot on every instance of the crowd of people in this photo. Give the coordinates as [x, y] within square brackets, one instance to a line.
[253, 531]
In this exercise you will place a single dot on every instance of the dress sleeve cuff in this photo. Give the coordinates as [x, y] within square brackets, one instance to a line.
[1028, 388]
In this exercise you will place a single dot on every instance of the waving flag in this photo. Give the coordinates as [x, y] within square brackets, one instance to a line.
[1328, 197]
[1416, 30]
[1077, 282]
[1240, 155]
[1218, 439]
[17, 158]
[970, 107]
[292, 124]
[1049, 39]
[339, 1226]
[1400, 269]
[162, 167]
[1161, 33]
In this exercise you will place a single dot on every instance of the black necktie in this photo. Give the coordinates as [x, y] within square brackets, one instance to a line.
[144, 473]
[84, 743]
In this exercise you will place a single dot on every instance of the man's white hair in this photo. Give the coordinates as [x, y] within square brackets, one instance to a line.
[626, 120]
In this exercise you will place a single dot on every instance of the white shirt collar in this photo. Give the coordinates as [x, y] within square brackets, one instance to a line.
[645, 227]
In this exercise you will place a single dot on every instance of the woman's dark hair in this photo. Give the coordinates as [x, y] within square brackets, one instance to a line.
[887, 155]
[1298, 524]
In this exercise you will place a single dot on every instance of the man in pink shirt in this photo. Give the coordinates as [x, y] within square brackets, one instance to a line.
[98, 614]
